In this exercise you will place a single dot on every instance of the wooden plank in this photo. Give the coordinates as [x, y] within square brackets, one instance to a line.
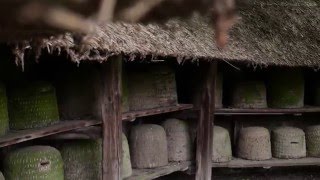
[242, 163]
[266, 111]
[129, 116]
[15, 137]
[92, 132]
[111, 117]
[204, 130]
[146, 174]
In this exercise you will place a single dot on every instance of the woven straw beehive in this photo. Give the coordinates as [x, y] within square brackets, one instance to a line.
[82, 159]
[288, 143]
[33, 105]
[34, 162]
[313, 140]
[221, 145]
[153, 87]
[178, 139]
[148, 146]
[251, 94]
[4, 118]
[126, 169]
[254, 143]
[286, 89]
[1, 176]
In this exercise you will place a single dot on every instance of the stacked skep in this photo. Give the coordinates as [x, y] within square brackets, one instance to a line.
[288, 143]
[249, 94]
[32, 105]
[4, 117]
[158, 88]
[254, 144]
[34, 162]
[148, 146]
[178, 140]
[126, 169]
[221, 145]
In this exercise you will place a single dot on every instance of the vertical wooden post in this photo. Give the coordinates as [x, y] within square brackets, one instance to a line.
[204, 130]
[111, 117]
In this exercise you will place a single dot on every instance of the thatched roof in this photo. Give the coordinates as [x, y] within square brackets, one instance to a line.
[268, 33]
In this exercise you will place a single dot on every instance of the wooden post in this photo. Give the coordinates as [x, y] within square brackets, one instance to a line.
[111, 118]
[205, 123]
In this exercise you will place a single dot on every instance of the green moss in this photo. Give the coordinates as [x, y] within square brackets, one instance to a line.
[126, 169]
[286, 89]
[34, 163]
[82, 159]
[33, 105]
[4, 118]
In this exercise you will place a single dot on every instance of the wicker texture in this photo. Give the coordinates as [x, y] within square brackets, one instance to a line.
[288, 143]
[148, 146]
[251, 94]
[178, 139]
[4, 117]
[33, 105]
[82, 159]
[313, 140]
[286, 88]
[34, 163]
[254, 144]
[221, 145]
[151, 88]
[126, 169]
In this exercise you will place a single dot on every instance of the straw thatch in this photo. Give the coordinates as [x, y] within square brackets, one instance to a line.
[267, 33]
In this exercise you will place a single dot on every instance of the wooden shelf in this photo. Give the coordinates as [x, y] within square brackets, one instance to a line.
[266, 111]
[15, 137]
[132, 115]
[146, 174]
[242, 163]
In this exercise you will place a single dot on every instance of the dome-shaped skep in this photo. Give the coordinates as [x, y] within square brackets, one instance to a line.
[148, 146]
[221, 145]
[33, 105]
[1, 176]
[313, 140]
[126, 169]
[288, 143]
[254, 143]
[4, 117]
[249, 94]
[286, 89]
[34, 162]
[82, 159]
[178, 139]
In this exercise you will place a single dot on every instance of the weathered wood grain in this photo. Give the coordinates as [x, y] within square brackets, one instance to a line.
[15, 137]
[205, 123]
[111, 117]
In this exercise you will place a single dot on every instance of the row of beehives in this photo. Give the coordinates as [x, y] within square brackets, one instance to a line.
[74, 160]
[255, 143]
[284, 89]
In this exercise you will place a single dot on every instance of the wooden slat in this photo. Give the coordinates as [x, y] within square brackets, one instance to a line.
[15, 137]
[149, 112]
[241, 163]
[111, 117]
[266, 111]
[205, 123]
[92, 132]
[146, 174]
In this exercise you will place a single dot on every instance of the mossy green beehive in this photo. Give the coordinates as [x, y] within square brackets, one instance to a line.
[286, 88]
[34, 163]
[32, 105]
[82, 159]
[1, 176]
[4, 118]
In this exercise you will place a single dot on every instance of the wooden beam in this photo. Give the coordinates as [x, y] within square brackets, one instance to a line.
[111, 118]
[106, 10]
[205, 123]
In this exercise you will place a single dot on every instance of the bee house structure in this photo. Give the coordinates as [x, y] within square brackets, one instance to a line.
[68, 101]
